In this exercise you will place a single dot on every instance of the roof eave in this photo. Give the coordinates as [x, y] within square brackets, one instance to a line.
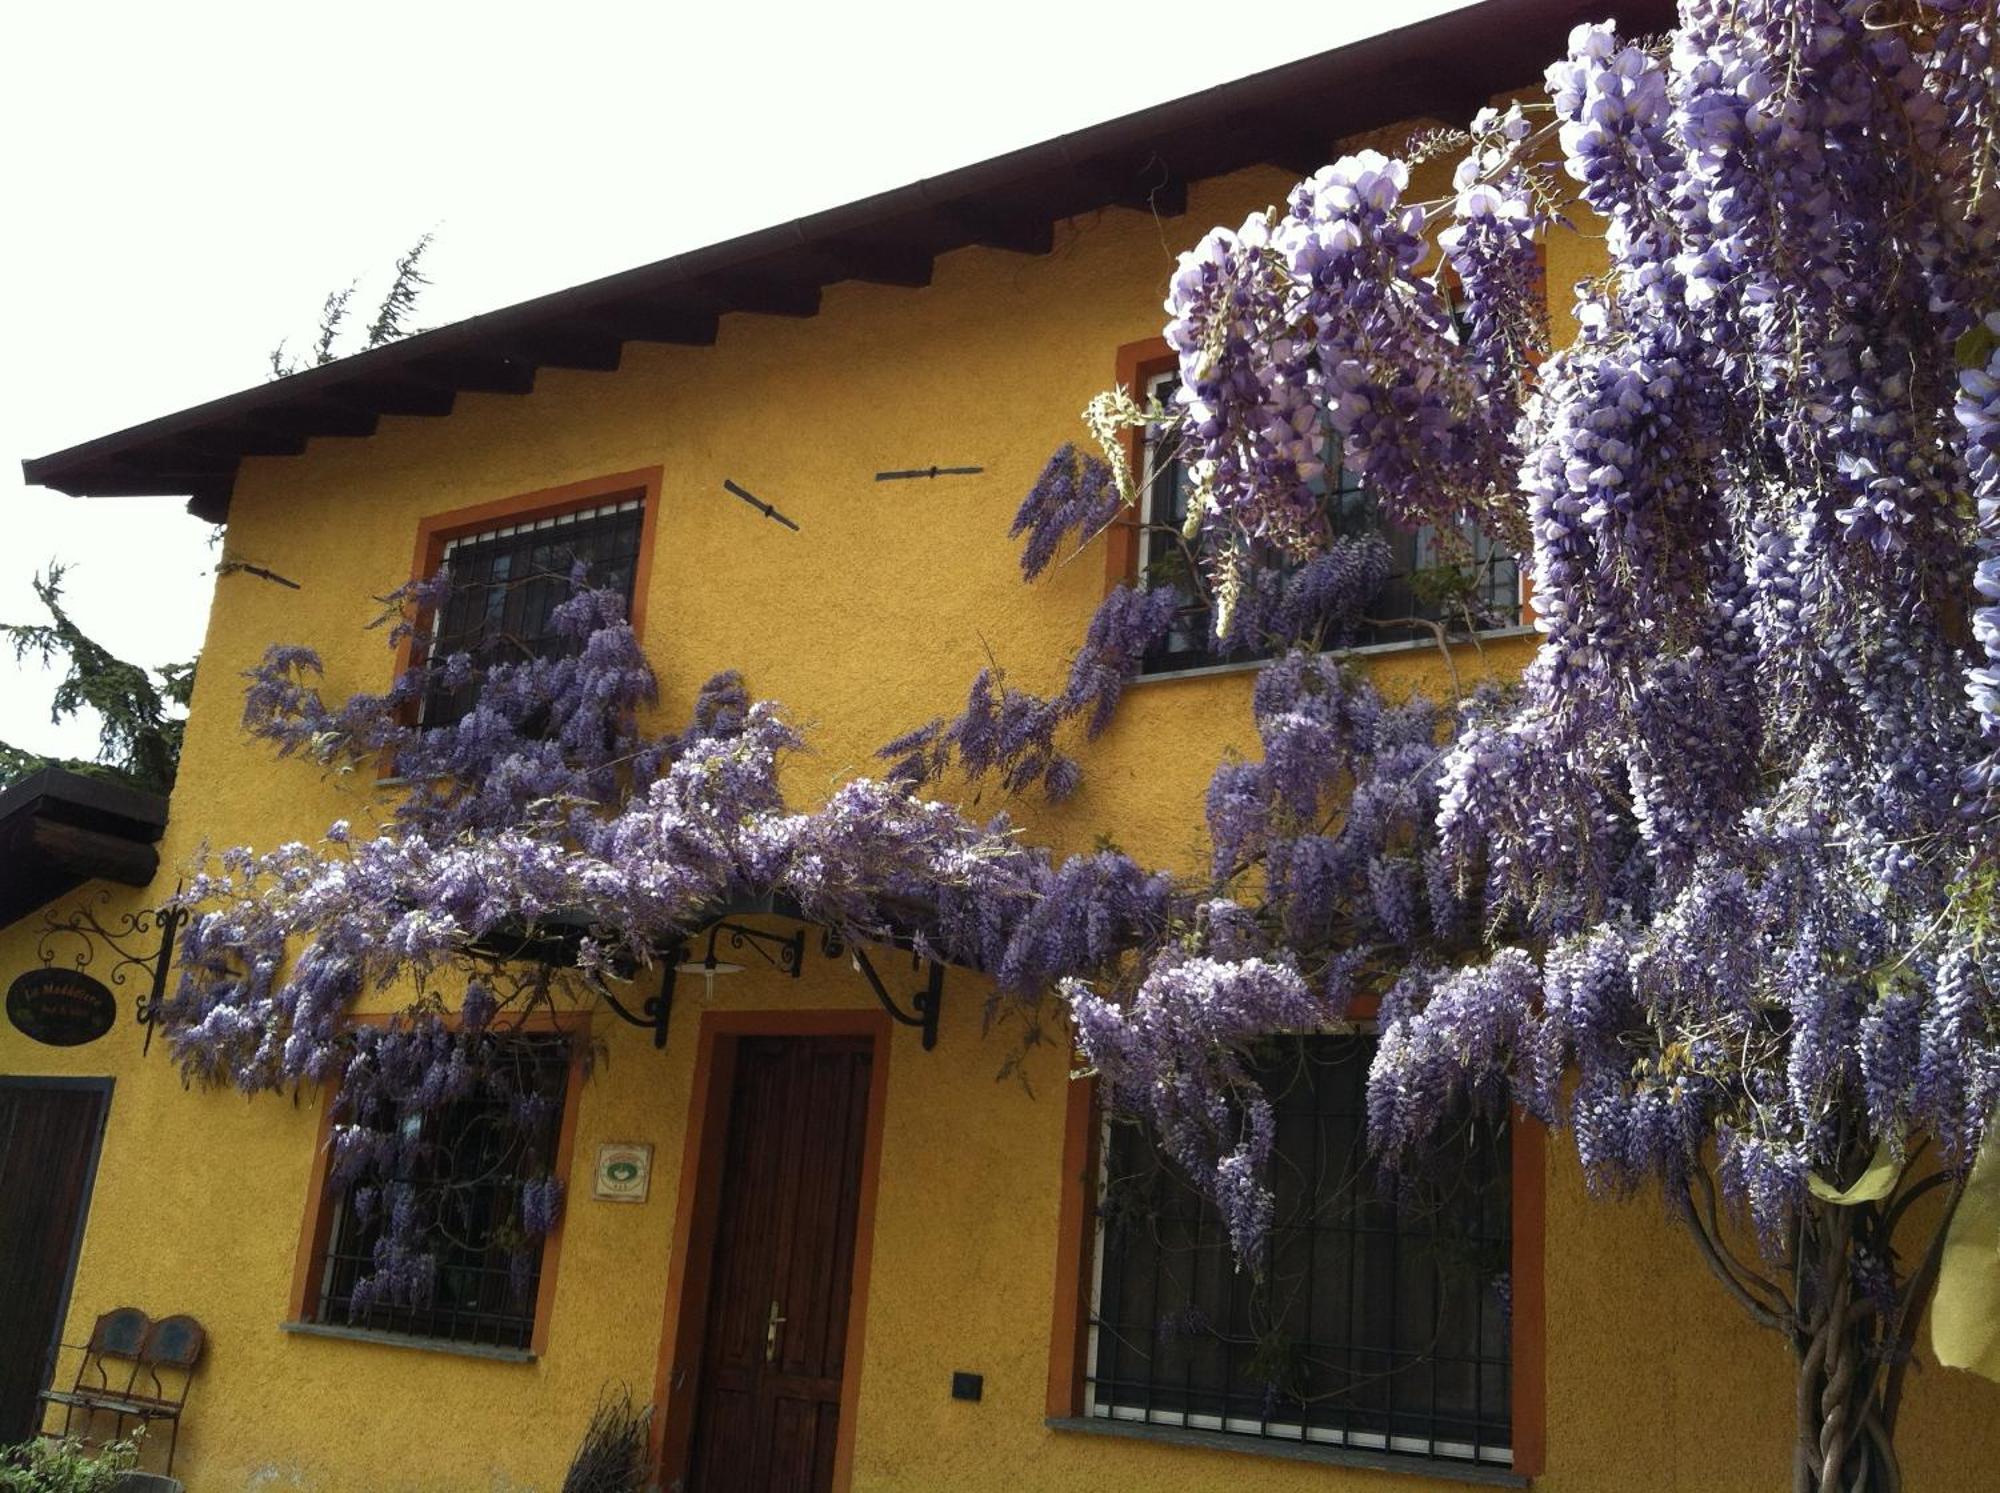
[1290, 116]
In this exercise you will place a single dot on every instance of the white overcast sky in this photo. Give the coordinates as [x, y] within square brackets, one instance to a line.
[184, 183]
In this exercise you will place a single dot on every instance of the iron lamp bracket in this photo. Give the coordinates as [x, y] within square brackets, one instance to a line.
[926, 1005]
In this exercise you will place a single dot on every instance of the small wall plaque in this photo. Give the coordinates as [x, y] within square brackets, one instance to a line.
[624, 1172]
[61, 1007]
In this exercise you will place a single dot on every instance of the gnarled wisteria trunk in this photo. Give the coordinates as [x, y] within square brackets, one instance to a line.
[1848, 1304]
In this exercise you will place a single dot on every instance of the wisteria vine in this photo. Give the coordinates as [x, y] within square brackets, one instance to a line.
[1732, 850]
[547, 818]
[1716, 887]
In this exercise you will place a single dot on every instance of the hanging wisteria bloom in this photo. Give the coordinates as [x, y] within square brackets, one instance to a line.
[548, 850]
[1734, 844]
[1717, 886]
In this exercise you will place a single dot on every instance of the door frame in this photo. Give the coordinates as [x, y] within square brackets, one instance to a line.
[102, 1087]
[697, 1213]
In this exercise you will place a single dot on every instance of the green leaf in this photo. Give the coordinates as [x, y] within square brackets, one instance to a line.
[1975, 346]
[1871, 1186]
[1965, 1310]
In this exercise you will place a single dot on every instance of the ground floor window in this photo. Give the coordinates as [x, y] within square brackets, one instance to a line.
[1376, 1322]
[463, 1172]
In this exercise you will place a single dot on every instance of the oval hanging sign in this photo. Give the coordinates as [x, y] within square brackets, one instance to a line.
[61, 1007]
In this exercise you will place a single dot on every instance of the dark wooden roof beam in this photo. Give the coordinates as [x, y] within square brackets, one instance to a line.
[655, 321]
[120, 480]
[210, 504]
[239, 440]
[1300, 159]
[312, 418]
[477, 374]
[1148, 188]
[1167, 200]
[763, 297]
[1014, 231]
[85, 853]
[1446, 95]
[879, 263]
[401, 396]
[178, 458]
[563, 347]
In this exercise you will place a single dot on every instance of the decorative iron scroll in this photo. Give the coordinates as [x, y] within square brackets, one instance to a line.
[555, 940]
[73, 942]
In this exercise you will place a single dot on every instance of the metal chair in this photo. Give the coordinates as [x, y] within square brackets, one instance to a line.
[116, 1338]
[173, 1344]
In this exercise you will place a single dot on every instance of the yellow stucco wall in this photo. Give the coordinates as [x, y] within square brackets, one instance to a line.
[872, 618]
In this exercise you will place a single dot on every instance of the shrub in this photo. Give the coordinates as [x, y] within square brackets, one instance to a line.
[66, 1465]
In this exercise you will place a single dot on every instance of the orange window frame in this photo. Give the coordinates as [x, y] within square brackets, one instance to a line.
[1069, 1336]
[1139, 363]
[316, 1231]
[439, 529]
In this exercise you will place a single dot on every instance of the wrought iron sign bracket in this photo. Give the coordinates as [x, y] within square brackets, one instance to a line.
[926, 1004]
[658, 1009]
[82, 925]
[784, 954]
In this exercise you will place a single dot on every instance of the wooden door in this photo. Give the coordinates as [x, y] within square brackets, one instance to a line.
[49, 1130]
[767, 1414]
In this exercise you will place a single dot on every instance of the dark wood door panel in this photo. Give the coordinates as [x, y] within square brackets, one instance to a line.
[768, 1411]
[48, 1151]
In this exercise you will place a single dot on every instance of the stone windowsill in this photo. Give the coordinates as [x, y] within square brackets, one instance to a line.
[408, 1340]
[1365, 650]
[1437, 1469]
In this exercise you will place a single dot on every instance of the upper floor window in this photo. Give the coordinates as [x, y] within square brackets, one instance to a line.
[506, 580]
[1426, 583]
[462, 1169]
[1373, 1322]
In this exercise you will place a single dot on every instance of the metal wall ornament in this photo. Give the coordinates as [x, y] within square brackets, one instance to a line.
[759, 504]
[554, 941]
[69, 945]
[784, 953]
[912, 473]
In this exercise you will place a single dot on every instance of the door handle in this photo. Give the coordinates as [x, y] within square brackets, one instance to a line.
[771, 1326]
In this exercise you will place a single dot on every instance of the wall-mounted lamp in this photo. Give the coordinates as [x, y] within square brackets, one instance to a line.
[708, 969]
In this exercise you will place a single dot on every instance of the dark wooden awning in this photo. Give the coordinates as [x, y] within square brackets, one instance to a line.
[60, 829]
[1290, 116]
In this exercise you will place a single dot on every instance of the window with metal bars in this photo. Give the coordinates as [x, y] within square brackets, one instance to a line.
[464, 1171]
[1426, 581]
[1373, 1322]
[506, 581]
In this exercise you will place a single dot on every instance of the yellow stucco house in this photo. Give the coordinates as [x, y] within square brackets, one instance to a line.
[955, 1311]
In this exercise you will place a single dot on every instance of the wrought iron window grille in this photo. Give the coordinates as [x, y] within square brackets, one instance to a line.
[1376, 1324]
[508, 580]
[1489, 576]
[466, 1171]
